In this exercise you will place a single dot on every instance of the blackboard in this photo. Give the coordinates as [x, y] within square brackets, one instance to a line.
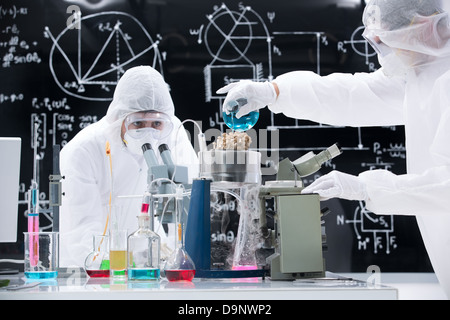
[61, 74]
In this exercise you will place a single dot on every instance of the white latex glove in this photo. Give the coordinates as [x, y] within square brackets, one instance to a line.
[257, 94]
[338, 185]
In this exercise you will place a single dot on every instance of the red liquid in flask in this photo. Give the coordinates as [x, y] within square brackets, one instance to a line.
[98, 273]
[180, 275]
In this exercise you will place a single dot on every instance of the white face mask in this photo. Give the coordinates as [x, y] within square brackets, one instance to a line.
[135, 144]
[393, 65]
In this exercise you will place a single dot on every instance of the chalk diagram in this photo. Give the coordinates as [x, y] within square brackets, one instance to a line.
[230, 38]
[360, 46]
[371, 229]
[118, 41]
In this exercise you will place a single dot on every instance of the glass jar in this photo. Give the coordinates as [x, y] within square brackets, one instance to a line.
[144, 252]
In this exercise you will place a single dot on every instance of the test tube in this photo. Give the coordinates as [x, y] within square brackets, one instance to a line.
[33, 225]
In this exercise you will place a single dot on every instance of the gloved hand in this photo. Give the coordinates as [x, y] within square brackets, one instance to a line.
[338, 185]
[258, 95]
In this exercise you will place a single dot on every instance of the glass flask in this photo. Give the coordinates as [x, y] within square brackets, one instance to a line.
[97, 262]
[144, 248]
[245, 122]
[179, 266]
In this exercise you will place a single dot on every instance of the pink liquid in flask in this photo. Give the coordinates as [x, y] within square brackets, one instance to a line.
[180, 275]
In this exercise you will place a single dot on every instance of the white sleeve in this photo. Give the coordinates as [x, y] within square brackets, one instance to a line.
[361, 99]
[408, 194]
[82, 213]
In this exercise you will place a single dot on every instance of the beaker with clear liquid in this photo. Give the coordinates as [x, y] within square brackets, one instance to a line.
[41, 255]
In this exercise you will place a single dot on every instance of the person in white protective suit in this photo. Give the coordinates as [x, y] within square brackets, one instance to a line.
[412, 88]
[105, 159]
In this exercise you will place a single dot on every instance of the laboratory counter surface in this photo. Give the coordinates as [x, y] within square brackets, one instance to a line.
[393, 286]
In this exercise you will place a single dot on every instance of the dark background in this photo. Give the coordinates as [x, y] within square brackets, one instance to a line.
[41, 59]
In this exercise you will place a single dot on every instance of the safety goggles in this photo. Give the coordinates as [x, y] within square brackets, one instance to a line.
[139, 124]
[377, 44]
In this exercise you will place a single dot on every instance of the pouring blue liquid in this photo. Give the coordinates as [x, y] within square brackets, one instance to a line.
[245, 122]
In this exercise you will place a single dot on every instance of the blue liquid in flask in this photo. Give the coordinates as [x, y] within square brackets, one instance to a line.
[245, 122]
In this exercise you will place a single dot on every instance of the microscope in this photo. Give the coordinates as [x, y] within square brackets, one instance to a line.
[297, 236]
[161, 181]
[291, 245]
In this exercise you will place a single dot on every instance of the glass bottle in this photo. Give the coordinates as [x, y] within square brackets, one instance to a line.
[97, 262]
[144, 248]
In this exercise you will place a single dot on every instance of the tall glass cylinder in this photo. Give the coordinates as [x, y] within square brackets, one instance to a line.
[118, 253]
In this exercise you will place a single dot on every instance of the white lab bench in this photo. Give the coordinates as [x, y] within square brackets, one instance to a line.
[347, 287]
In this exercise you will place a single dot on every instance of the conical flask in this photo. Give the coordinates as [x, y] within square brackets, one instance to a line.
[180, 266]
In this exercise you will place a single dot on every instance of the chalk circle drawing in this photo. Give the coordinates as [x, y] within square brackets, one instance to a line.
[88, 62]
[234, 40]
[233, 34]
[360, 46]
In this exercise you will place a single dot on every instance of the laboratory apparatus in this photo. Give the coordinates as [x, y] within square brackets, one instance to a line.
[289, 247]
[179, 267]
[217, 218]
[243, 123]
[33, 206]
[34, 237]
[298, 236]
[162, 180]
[118, 253]
[97, 262]
[144, 246]
[43, 263]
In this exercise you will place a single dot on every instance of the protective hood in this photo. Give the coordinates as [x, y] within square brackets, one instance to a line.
[139, 89]
[416, 32]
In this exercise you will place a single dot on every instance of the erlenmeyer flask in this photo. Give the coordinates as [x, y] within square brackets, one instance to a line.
[180, 266]
[97, 262]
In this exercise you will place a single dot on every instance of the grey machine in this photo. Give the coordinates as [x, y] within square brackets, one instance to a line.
[297, 235]
[291, 248]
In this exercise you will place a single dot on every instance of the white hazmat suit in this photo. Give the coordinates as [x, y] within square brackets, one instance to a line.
[412, 39]
[85, 164]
